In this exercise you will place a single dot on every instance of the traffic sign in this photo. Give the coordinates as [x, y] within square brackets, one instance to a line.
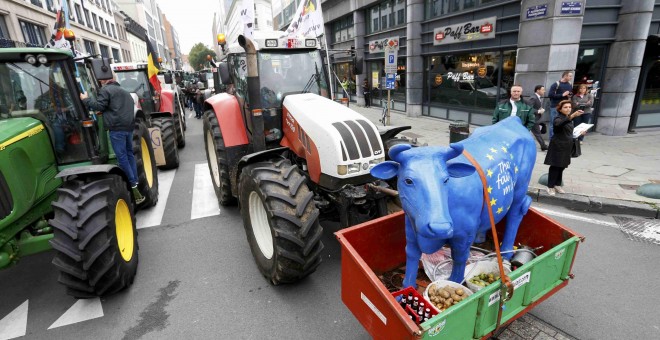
[390, 60]
[390, 81]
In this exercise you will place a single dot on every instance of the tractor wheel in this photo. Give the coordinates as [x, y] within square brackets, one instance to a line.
[178, 123]
[281, 221]
[216, 157]
[168, 137]
[146, 165]
[94, 237]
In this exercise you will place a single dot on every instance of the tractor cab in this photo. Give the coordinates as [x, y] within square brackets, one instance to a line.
[284, 66]
[133, 78]
[38, 86]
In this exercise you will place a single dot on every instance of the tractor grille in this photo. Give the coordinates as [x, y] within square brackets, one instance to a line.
[358, 144]
[6, 202]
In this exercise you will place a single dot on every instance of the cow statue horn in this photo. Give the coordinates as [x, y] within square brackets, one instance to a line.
[455, 150]
[397, 149]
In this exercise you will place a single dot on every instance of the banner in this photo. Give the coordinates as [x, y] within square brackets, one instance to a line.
[247, 17]
[307, 21]
[61, 23]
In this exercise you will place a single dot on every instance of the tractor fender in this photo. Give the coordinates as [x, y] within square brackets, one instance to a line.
[225, 107]
[93, 169]
[250, 159]
[167, 101]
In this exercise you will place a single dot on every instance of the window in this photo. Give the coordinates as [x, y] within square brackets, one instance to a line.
[80, 18]
[343, 29]
[105, 53]
[115, 55]
[107, 25]
[4, 32]
[386, 15]
[114, 33]
[50, 6]
[89, 22]
[649, 108]
[436, 8]
[90, 46]
[102, 23]
[33, 34]
[471, 80]
[96, 23]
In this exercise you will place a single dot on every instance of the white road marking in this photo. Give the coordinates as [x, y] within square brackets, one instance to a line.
[576, 217]
[154, 216]
[82, 310]
[204, 201]
[190, 115]
[15, 323]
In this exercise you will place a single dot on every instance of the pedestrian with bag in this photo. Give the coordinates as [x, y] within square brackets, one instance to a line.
[560, 90]
[116, 106]
[561, 146]
[367, 93]
[515, 107]
[584, 101]
[536, 101]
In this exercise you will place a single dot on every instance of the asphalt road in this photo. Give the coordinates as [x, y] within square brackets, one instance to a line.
[197, 280]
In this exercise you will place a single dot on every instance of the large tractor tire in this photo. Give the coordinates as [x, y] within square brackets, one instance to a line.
[281, 221]
[145, 159]
[216, 156]
[178, 123]
[95, 239]
[168, 137]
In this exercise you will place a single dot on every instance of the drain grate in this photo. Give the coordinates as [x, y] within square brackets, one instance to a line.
[640, 230]
[629, 186]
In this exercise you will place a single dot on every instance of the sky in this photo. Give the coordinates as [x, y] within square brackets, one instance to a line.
[192, 20]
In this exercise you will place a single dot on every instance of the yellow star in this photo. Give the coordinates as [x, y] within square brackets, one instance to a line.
[490, 173]
[490, 189]
[516, 169]
[490, 157]
[493, 150]
[504, 149]
[499, 210]
[511, 155]
[493, 202]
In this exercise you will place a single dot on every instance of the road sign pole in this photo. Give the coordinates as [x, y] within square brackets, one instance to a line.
[388, 107]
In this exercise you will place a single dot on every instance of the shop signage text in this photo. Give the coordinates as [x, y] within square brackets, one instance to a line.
[537, 11]
[468, 31]
[378, 46]
[460, 76]
[571, 7]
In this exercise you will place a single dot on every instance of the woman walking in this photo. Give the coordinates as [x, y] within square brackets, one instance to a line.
[561, 145]
[585, 102]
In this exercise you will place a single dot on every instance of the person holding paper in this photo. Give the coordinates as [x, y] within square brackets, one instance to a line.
[585, 102]
[561, 145]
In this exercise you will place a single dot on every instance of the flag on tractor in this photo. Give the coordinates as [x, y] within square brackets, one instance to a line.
[61, 23]
[152, 66]
[308, 20]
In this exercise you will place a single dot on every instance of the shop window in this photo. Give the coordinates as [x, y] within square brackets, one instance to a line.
[650, 99]
[4, 32]
[386, 15]
[343, 29]
[90, 47]
[104, 51]
[115, 55]
[33, 34]
[589, 66]
[471, 80]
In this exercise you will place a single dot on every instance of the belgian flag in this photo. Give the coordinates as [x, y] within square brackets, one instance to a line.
[152, 66]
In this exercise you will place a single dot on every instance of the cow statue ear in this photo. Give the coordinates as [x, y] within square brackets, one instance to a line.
[385, 170]
[457, 170]
[397, 149]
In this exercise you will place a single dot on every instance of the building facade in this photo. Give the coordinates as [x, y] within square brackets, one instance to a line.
[234, 26]
[172, 43]
[148, 15]
[457, 59]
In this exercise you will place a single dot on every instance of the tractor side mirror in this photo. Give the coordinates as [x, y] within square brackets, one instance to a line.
[223, 71]
[168, 78]
[357, 65]
[101, 68]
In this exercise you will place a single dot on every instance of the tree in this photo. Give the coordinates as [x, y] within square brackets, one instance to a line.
[198, 55]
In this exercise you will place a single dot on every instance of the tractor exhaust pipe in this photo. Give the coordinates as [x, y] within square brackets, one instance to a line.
[258, 135]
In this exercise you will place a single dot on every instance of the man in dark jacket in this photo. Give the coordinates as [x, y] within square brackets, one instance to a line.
[116, 106]
[560, 90]
[515, 107]
[536, 101]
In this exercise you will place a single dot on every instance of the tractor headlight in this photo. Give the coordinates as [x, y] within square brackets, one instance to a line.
[342, 169]
[353, 168]
[376, 161]
[42, 59]
[31, 59]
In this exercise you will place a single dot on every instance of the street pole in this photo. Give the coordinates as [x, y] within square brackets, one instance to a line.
[388, 107]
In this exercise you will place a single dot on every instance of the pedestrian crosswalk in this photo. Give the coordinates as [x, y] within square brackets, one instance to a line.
[203, 203]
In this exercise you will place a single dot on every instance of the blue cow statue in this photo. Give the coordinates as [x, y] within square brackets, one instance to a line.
[442, 194]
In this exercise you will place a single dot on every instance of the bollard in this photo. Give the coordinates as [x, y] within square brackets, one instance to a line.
[458, 131]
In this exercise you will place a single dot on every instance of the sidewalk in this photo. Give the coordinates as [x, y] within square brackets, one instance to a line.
[604, 179]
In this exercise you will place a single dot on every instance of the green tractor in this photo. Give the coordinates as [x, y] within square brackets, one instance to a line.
[60, 185]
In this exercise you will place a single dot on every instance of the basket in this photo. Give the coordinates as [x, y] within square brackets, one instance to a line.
[443, 283]
[480, 267]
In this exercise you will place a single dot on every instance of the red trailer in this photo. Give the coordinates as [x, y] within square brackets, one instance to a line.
[378, 246]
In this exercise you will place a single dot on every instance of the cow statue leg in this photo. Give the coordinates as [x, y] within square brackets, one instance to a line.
[413, 255]
[460, 251]
[517, 210]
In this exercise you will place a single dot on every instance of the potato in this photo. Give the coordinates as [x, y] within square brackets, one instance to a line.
[445, 294]
[460, 292]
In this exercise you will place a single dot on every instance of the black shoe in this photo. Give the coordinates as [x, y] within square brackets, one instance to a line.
[544, 148]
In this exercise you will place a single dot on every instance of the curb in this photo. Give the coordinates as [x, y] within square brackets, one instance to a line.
[595, 204]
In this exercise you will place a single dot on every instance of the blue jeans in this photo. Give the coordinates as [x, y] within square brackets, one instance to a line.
[553, 115]
[122, 143]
